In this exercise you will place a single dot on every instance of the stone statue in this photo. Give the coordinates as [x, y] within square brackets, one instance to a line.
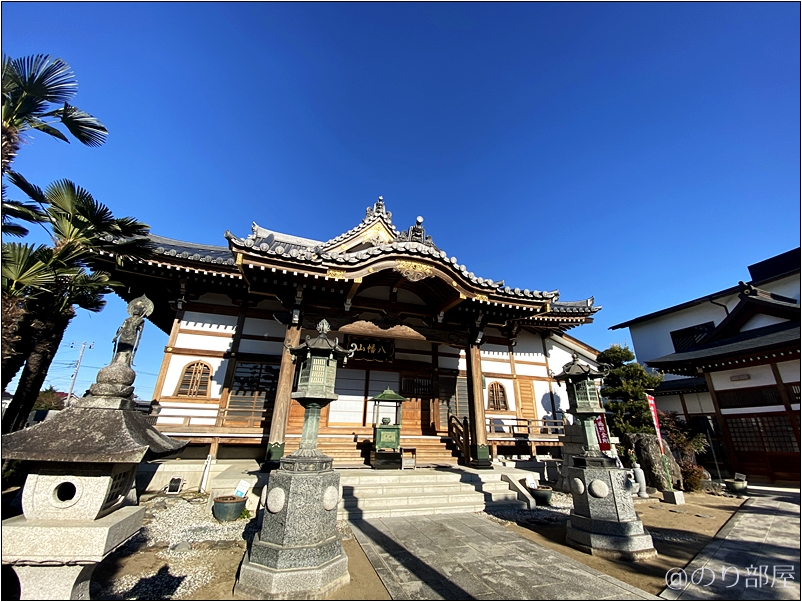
[128, 335]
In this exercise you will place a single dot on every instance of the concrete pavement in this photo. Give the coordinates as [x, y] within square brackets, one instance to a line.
[755, 556]
[468, 557]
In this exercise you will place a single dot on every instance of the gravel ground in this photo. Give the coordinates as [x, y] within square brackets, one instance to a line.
[557, 512]
[180, 532]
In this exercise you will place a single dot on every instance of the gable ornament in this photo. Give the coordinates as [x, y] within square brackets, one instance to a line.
[413, 270]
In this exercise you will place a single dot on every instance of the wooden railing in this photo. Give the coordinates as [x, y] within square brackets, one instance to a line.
[524, 428]
[459, 433]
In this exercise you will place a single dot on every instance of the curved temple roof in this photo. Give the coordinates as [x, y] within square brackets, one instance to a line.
[374, 245]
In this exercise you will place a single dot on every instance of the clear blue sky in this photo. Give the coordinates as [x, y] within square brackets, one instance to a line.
[643, 154]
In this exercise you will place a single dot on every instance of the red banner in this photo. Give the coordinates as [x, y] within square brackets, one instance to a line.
[653, 408]
[601, 432]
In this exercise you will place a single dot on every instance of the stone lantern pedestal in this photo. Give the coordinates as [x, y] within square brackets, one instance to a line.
[78, 502]
[603, 521]
[298, 555]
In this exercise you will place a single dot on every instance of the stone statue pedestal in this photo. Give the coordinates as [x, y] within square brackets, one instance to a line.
[54, 559]
[298, 555]
[603, 521]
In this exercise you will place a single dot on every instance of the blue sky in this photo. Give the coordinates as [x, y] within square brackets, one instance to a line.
[640, 153]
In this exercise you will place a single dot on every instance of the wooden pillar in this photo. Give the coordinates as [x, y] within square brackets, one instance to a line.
[281, 407]
[786, 400]
[480, 454]
[725, 429]
[685, 409]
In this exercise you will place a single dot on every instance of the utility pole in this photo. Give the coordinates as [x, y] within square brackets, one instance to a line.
[77, 367]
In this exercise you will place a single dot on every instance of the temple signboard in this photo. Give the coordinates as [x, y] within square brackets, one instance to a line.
[372, 349]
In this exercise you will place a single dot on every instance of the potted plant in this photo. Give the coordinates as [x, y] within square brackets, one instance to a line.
[542, 495]
[228, 507]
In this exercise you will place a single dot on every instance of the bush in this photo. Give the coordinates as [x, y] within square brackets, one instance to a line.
[692, 476]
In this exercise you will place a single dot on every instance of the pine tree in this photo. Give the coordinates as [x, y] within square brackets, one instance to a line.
[624, 392]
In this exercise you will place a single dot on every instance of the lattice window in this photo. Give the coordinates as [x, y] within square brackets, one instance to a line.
[253, 392]
[793, 392]
[749, 398]
[778, 434]
[762, 434]
[195, 381]
[686, 338]
[416, 386]
[496, 397]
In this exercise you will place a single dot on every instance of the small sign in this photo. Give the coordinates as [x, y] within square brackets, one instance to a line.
[372, 350]
[740, 476]
[242, 488]
[653, 409]
[601, 432]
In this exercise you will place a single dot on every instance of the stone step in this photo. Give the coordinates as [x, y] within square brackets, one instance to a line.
[423, 509]
[412, 487]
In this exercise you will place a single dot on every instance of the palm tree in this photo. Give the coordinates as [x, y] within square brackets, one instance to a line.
[51, 281]
[34, 88]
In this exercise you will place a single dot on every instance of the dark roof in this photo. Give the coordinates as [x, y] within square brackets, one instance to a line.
[764, 272]
[192, 251]
[749, 342]
[776, 266]
[696, 384]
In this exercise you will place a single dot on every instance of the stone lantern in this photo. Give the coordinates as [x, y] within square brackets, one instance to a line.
[78, 502]
[298, 554]
[603, 521]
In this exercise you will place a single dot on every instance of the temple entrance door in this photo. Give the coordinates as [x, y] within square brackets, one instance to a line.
[416, 417]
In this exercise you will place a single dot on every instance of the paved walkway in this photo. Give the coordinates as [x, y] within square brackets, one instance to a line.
[755, 556]
[467, 557]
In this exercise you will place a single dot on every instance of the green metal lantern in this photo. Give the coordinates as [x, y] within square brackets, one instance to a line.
[319, 367]
[387, 429]
[583, 398]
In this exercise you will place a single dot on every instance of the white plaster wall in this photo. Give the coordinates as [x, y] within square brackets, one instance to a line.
[699, 403]
[760, 321]
[204, 343]
[194, 320]
[789, 371]
[463, 362]
[413, 357]
[560, 397]
[176, 370]
[652, 339]
[530, 370]
[379, 381]
[200, 414]
[261, 347]
[542, 400]
[350, 386]
[669, 403]
[497, 367]
[787, 287]
[216, 299]
[758, 377]
[416, 345]
[452, 363]
[529, 347]
[259, 326]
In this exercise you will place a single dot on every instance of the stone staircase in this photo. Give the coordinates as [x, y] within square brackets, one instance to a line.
[426, 491]
[354, 450]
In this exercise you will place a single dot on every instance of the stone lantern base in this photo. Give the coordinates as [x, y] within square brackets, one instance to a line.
[298, 555]
[603, 521]
[54, 560]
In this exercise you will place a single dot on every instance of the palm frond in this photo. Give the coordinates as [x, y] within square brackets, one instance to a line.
[86, 128]
[32, 190]
[45, 77]
[26, 266]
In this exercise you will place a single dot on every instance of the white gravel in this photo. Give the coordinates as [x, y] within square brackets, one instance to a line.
[558, 511]
[169, 522]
